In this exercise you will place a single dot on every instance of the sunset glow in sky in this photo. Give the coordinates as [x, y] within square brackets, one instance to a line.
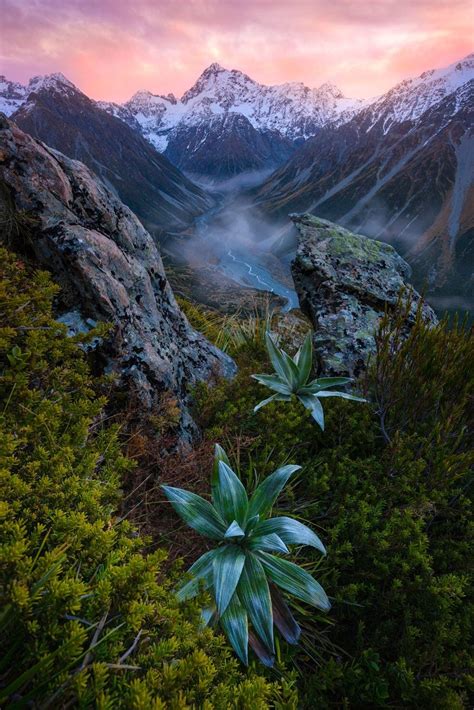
[112, 48]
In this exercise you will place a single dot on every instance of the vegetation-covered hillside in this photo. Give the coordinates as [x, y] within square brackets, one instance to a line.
[89, 615]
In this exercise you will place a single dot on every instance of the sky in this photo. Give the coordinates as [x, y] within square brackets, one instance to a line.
[112, 48]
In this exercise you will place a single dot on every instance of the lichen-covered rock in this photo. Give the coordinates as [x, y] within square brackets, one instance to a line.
[104, 258]
[344, 283]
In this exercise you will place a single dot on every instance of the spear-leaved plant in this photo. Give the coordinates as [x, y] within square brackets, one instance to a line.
[292, 379]
[245, 572]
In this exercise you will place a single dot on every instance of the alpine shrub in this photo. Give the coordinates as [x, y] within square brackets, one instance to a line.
[389, 485]
[87, 618]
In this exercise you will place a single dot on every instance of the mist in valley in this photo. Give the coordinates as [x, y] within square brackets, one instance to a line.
[237, 240]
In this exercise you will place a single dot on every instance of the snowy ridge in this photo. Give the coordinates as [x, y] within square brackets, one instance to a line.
[296, 111]
[410, 99]
[13, 95]
[292, 109]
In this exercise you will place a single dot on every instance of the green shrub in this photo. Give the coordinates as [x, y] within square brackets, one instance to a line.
[389, 486]
[87, 619]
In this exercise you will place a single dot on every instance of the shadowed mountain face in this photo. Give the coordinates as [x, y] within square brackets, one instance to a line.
[226, 145]
[64, 118]
[410, 184]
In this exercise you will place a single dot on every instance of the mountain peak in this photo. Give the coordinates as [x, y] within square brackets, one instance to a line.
[50, 81]
[214, 68]
[329, 88]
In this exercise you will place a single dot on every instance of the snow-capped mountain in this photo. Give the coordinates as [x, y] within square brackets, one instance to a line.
[293, 109]
[409, 99]
[228, 123]
[13, 95]
[401, 170]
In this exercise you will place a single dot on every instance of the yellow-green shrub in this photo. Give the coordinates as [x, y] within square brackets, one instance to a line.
[87, 617]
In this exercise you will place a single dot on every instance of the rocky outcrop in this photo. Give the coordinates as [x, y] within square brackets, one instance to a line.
[104, 258]
[344, 283]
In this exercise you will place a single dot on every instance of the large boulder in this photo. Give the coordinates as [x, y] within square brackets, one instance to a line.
[345, 282]
[110, 266]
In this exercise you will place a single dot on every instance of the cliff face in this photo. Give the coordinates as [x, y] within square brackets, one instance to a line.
[101, 254]
[345, 282]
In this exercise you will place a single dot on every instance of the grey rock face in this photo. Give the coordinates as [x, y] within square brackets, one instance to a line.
[344, 283]
[100, 252]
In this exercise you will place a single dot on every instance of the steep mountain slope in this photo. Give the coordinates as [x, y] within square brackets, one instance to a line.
[57, 113]
[225, 145]
[402, 171]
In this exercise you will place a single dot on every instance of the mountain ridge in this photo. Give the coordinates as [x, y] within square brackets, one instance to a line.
[292, 111]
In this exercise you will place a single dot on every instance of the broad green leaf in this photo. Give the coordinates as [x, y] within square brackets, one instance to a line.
[291, 531]
[294, 580]
[312, 403]
[198, 513]
[274, 398]
[251, 523]
[305, 361]
[293, 372]
[278, 359]
[259, 648]
[283, 618]
[270, 542]
[201, 576]
[235, 625]
[227, 567]
[343, 395]
[254, 594]
[268, 491]
[323, 382]
[234, 530]
[273, 382]
[231, 496]
[219, 455]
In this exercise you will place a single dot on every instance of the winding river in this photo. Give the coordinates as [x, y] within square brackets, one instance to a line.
[242, 266]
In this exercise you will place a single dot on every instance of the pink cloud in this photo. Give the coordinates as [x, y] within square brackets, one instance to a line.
[111, 48]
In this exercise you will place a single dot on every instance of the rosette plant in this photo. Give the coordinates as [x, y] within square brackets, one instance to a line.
[292, 379]
[246, 573]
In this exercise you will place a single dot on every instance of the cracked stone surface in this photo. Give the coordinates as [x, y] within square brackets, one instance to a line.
[344, 282]
[98, 250]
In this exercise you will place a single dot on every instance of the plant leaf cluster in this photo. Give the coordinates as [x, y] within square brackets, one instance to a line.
[292, 379]
[245, 572]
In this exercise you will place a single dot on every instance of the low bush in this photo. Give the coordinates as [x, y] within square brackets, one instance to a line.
[389, 487]
[88, 618]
